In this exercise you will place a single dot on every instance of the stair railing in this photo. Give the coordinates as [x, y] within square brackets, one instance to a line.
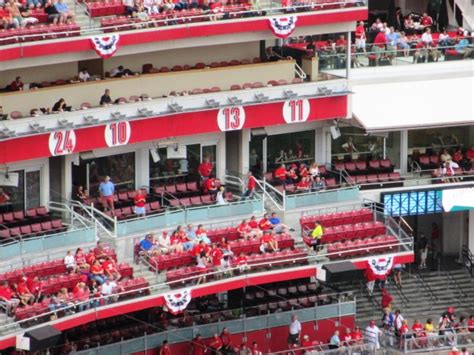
[427, 288]
[467, 259]
[451, 281]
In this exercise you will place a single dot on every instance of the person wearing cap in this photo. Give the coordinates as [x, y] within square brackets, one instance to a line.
[107, 191]
[294, 332]
[306, 342]
[373, 334]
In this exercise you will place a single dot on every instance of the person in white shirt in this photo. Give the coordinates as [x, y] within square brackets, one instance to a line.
[373, 333]
[428, 50]
[294, 331]
[220, 198]
[70, 262]
[426, 38]
[109, 289]
[84, 75]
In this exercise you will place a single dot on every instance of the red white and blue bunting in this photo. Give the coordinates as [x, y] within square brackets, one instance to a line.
[381, 266]
[105, 47]
[177, 302]
[282, 27]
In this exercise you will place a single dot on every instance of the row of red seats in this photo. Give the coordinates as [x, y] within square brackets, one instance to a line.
[428, 161]
[366, 246]
[457, 172]
[181, 187]
[292, 188]
[196, 201]
[285, 257]
[40, 308]
[361, 166]
[176, 260]
[19, 216]
[38, 33]
[128, 212]
[54, 226]
[149, 69]
[375, 178]
[337, 218]
[349, 232]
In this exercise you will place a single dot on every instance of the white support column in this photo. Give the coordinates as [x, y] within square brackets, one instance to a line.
[220, 157]
[470, 231]
[320, 144]
[403, 151]
[244, 150]
[66, 176]
[44, 184]
[348, 55]
[142, 167]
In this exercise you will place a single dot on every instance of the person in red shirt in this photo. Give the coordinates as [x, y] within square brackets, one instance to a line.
[100, 252]
[357, 336]
[97, 273]
[110, 269]
[215, 344]
[379, 46]
[165, 348]
[256, 232]
[216, 254]
[26, 296]
[255, 349]
[33, 285]
[205, 169]
[341, 44]
[198, 345]
[211, 186]
[387, 299]
[90, 257]
[470, 155]
[81, 294]
[306, 342]
[251, 185]
[347, 338]
[292, 176]
[17, 84]
[264, 224]
[426, 21]
[303, 171]
[404, 333]
[470, 323]
[281, 174]
[268, 242]
[226, 340]
[6, 296]
[244, 230]
[360, 37]
[241, 262]
[4, 198]
[304, 184]
[139, 201]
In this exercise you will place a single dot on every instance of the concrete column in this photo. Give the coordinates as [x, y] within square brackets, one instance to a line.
[44, 183]
[403, 151]
[470, 230]
[221, 157]
[66, 176]
[320, 145]
[348, 55]
[142, 167]
[245, 137]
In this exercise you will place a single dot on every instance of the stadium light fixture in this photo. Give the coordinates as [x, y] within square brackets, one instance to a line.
[234, 100]
[144, 112]
[90, 120]
[36, 127]
[175, 107]
[290, 94]
[212, 103]
[117, 116]
[261, 97]
[65, 123]
[6, 132]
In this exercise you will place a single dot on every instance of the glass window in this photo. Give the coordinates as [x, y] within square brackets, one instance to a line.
[16, 194]
[393, 148]
[120, 168]
[210, 152]
[256, 154]
[354, 143]
[287, 148]
[33, 189]
[432, 140]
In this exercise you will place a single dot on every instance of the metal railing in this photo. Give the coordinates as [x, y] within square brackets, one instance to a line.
[467, 259]
[426, 288]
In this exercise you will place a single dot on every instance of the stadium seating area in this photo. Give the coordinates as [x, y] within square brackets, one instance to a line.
[38, 33]
[34, 222]
[376, 172]
[349, 234]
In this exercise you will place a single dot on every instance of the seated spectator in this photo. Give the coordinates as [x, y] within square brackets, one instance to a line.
[81, 261]
[90, 257]
[216, 254]
[220, 195]
[462, 48]
[335, 341]
[152, 6]
[120, 71]
[81, 295]
[281, 174]
[254, 226]
[347, 338]
[470, 154]
[64, 14]
[426, 21]
[281, 158]
[105, 99]
[70, 262]
[16, 85]
[109, 290]
[100, 252]
[7, 299]
[317, 235]
[241, 261]
[84, 75]
[341, 44]
[264, 224]
[444, 40]
[404, 44]
[445, 156]
[292, 176]
[61, 106]
[349, 145]
[304, 185]
[27, 17]
[53, 14]
[409, 24]
[24, 294]
[82, 195]
[268, 242]
[318, 184]
[55, 302]
[210, 185]
[129, 6]
[110, 269]
[279, 227]
[215, 344]
[203, 262]
[201, 234]
[97, 273]
[164, 243]
[392, 43]
[146, 245]
[314, 170]
[244, 230]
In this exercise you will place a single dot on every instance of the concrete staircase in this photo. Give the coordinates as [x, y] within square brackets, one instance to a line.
[424, 295]
[82, 18]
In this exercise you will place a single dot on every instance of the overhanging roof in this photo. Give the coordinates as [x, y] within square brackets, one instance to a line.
[414, 104]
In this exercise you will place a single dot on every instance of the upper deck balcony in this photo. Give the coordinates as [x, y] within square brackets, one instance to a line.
[225, 24]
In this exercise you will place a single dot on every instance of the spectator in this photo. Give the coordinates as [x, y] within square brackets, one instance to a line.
[17, 84]
[445, 156]
[404, 332]
[226, 341]
[84, 75]
[378, 47]
[198, 345]
[110, 269]
[409, 25]
[81, 260]
[268, 242]
[426, 21]
[201, 234]
[403, 44]
[205, 169]
[27, 16]
[105, 99]
[444, 40]
[387, 299]
[319, 184]
[281, 174]
[139, 203]
[64, 14]
[61, 106]
[392, 42]
[255, 349]
[397, 274]
[165, 348]
[264, 224]
[97, 273]
[25, 295]
[81, 296]
[373, 333]
[294, 332]
[349, 146]
[335, 341]
[120, 71]
[462, 48]
[304, 184]
[215, 344]
[109, 290]
[242, 262]
[317, 235]
[277, 226]
[107, 193]
[357, 336]
[398, 321]
[4, 197]
[70, 262]
[7, 299]
[470, 323]
[251, 185]
[53, 14]
[361, 37]
[82, 195]
[423, 249]
[220, 195]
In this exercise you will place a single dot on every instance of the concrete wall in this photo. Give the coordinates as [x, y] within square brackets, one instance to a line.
[155, 85]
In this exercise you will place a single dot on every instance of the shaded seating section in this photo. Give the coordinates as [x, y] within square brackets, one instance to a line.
[38, 33]
[361, 247]
[33, 222]
[178, 260]
[377, 172]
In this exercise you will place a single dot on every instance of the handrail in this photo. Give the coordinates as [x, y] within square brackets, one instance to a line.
[264, 185]
[467, 259]
[451, 280]
[300, 72]
[253, 269]
[427, 288]
[93, 212]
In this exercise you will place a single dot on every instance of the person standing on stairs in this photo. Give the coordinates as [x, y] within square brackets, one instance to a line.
[423, 250]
